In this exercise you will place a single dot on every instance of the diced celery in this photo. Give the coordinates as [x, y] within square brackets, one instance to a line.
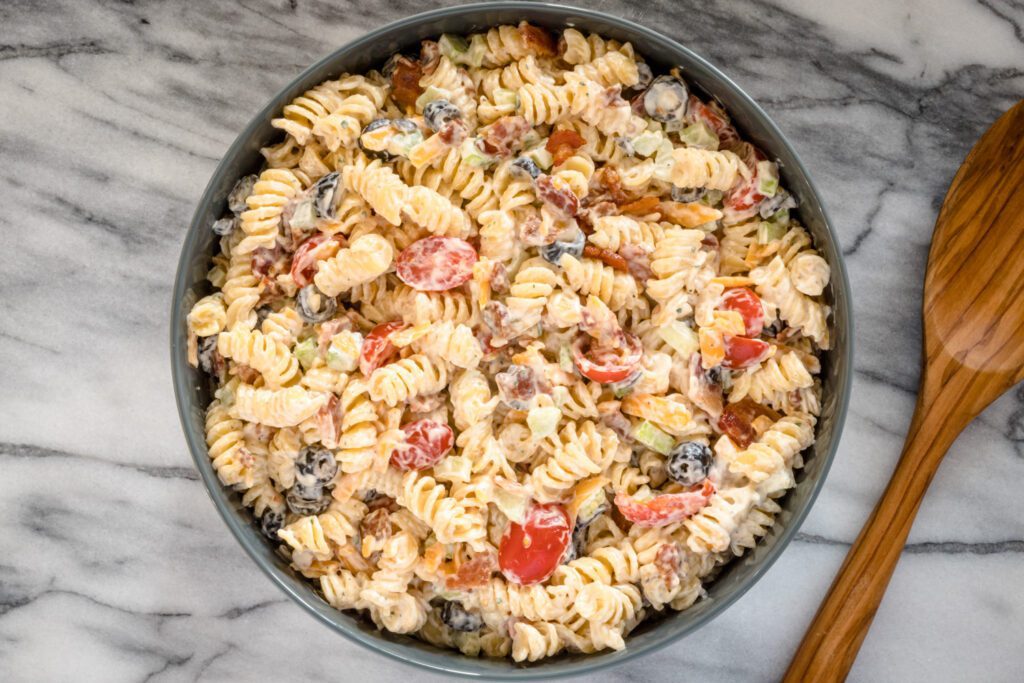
[647, 143]
[429, 95]
[453, 468]
[769, 232]
[663, 161]
[540, 156]
[712, 198]
[767, 178]
[512, 503]
[543, 421]
[699, 135]
[460, 52]
[652, 437]
[304, 216]
[781, 217]
[473, 155]
[305, 352]
[565, 359]
[506, 98]
[680, 337]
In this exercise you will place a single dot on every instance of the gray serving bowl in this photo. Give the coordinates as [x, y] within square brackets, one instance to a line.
[192, 390]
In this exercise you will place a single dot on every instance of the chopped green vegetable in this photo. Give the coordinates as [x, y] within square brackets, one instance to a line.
[540, 156]
[306, 353]
[712, 198]
[663, 161]
[652, 437]
[767, 178]
[506, 98]
[404, 142]
[680, 337]
[781, 217]
[429, 95]
[647, 143]
[699, 135]
[473, 155]
[543, 421]
[565, 359]
[460, 52]
[769, 232]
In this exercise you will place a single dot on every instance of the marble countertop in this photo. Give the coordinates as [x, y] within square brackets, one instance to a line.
[114, 565]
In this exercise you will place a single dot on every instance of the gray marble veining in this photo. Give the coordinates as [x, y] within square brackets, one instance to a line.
[113, 563]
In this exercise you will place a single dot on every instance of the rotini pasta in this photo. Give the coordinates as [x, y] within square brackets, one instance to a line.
[476, 327]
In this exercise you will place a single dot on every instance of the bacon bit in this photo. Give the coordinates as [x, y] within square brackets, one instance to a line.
[638, 261]
[711, 242]
[563, 144]
[328, 422]
[642, 206]
[351, 559]
[738, 418]
[405, 82]
[667, 561]
[556, 192]
[538, 41]
[499, 278]
[688, 215]
[609, 178]
[531, 231]
[609, 258]
[268, 262]
[453, 133]
[430, 56]
[474, 572]
[376, 524]
[246, 373]
[382, 502]
[503, 135]
[714, 118]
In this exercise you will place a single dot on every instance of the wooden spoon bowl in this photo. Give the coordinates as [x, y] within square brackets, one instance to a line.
[973, 352]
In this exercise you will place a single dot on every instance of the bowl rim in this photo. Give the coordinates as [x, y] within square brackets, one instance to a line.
[397, 651]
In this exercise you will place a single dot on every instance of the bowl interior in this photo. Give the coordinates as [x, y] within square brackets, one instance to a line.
[194, 392]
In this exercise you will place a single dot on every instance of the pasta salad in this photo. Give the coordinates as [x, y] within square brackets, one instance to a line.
[515, 342]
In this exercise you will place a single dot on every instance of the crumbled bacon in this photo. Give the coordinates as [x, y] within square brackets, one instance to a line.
[246, 373]
[558, 195]
[737, 420]
[268, 262]
[504, 135]
[607, 257]
[638, 261]
[667, 562]
[609, 178]
[405, 82]
[563, 144]
[539, 42]
[376, 524]
[474, 572]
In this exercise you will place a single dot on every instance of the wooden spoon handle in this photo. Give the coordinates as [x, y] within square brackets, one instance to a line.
[832, 641]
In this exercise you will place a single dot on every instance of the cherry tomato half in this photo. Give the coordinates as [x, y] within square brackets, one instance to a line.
[748, 305]
[436, 264]
[665, 508]
[307, 257]
[530, 552]
[741, 352]
[426, 442]
[605, 364]
[377, 348]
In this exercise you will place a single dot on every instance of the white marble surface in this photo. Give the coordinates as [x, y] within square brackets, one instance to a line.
[113, 563]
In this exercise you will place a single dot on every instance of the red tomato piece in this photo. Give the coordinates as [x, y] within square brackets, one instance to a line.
[746, 196]
[741, 352]
[530, 552]
[377, 349]
[665, 508]
[426, 442]
[306, 259]
[435, 264]
[605, 364]
[748, 305]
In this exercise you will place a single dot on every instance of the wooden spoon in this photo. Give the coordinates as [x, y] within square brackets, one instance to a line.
[973, 352]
